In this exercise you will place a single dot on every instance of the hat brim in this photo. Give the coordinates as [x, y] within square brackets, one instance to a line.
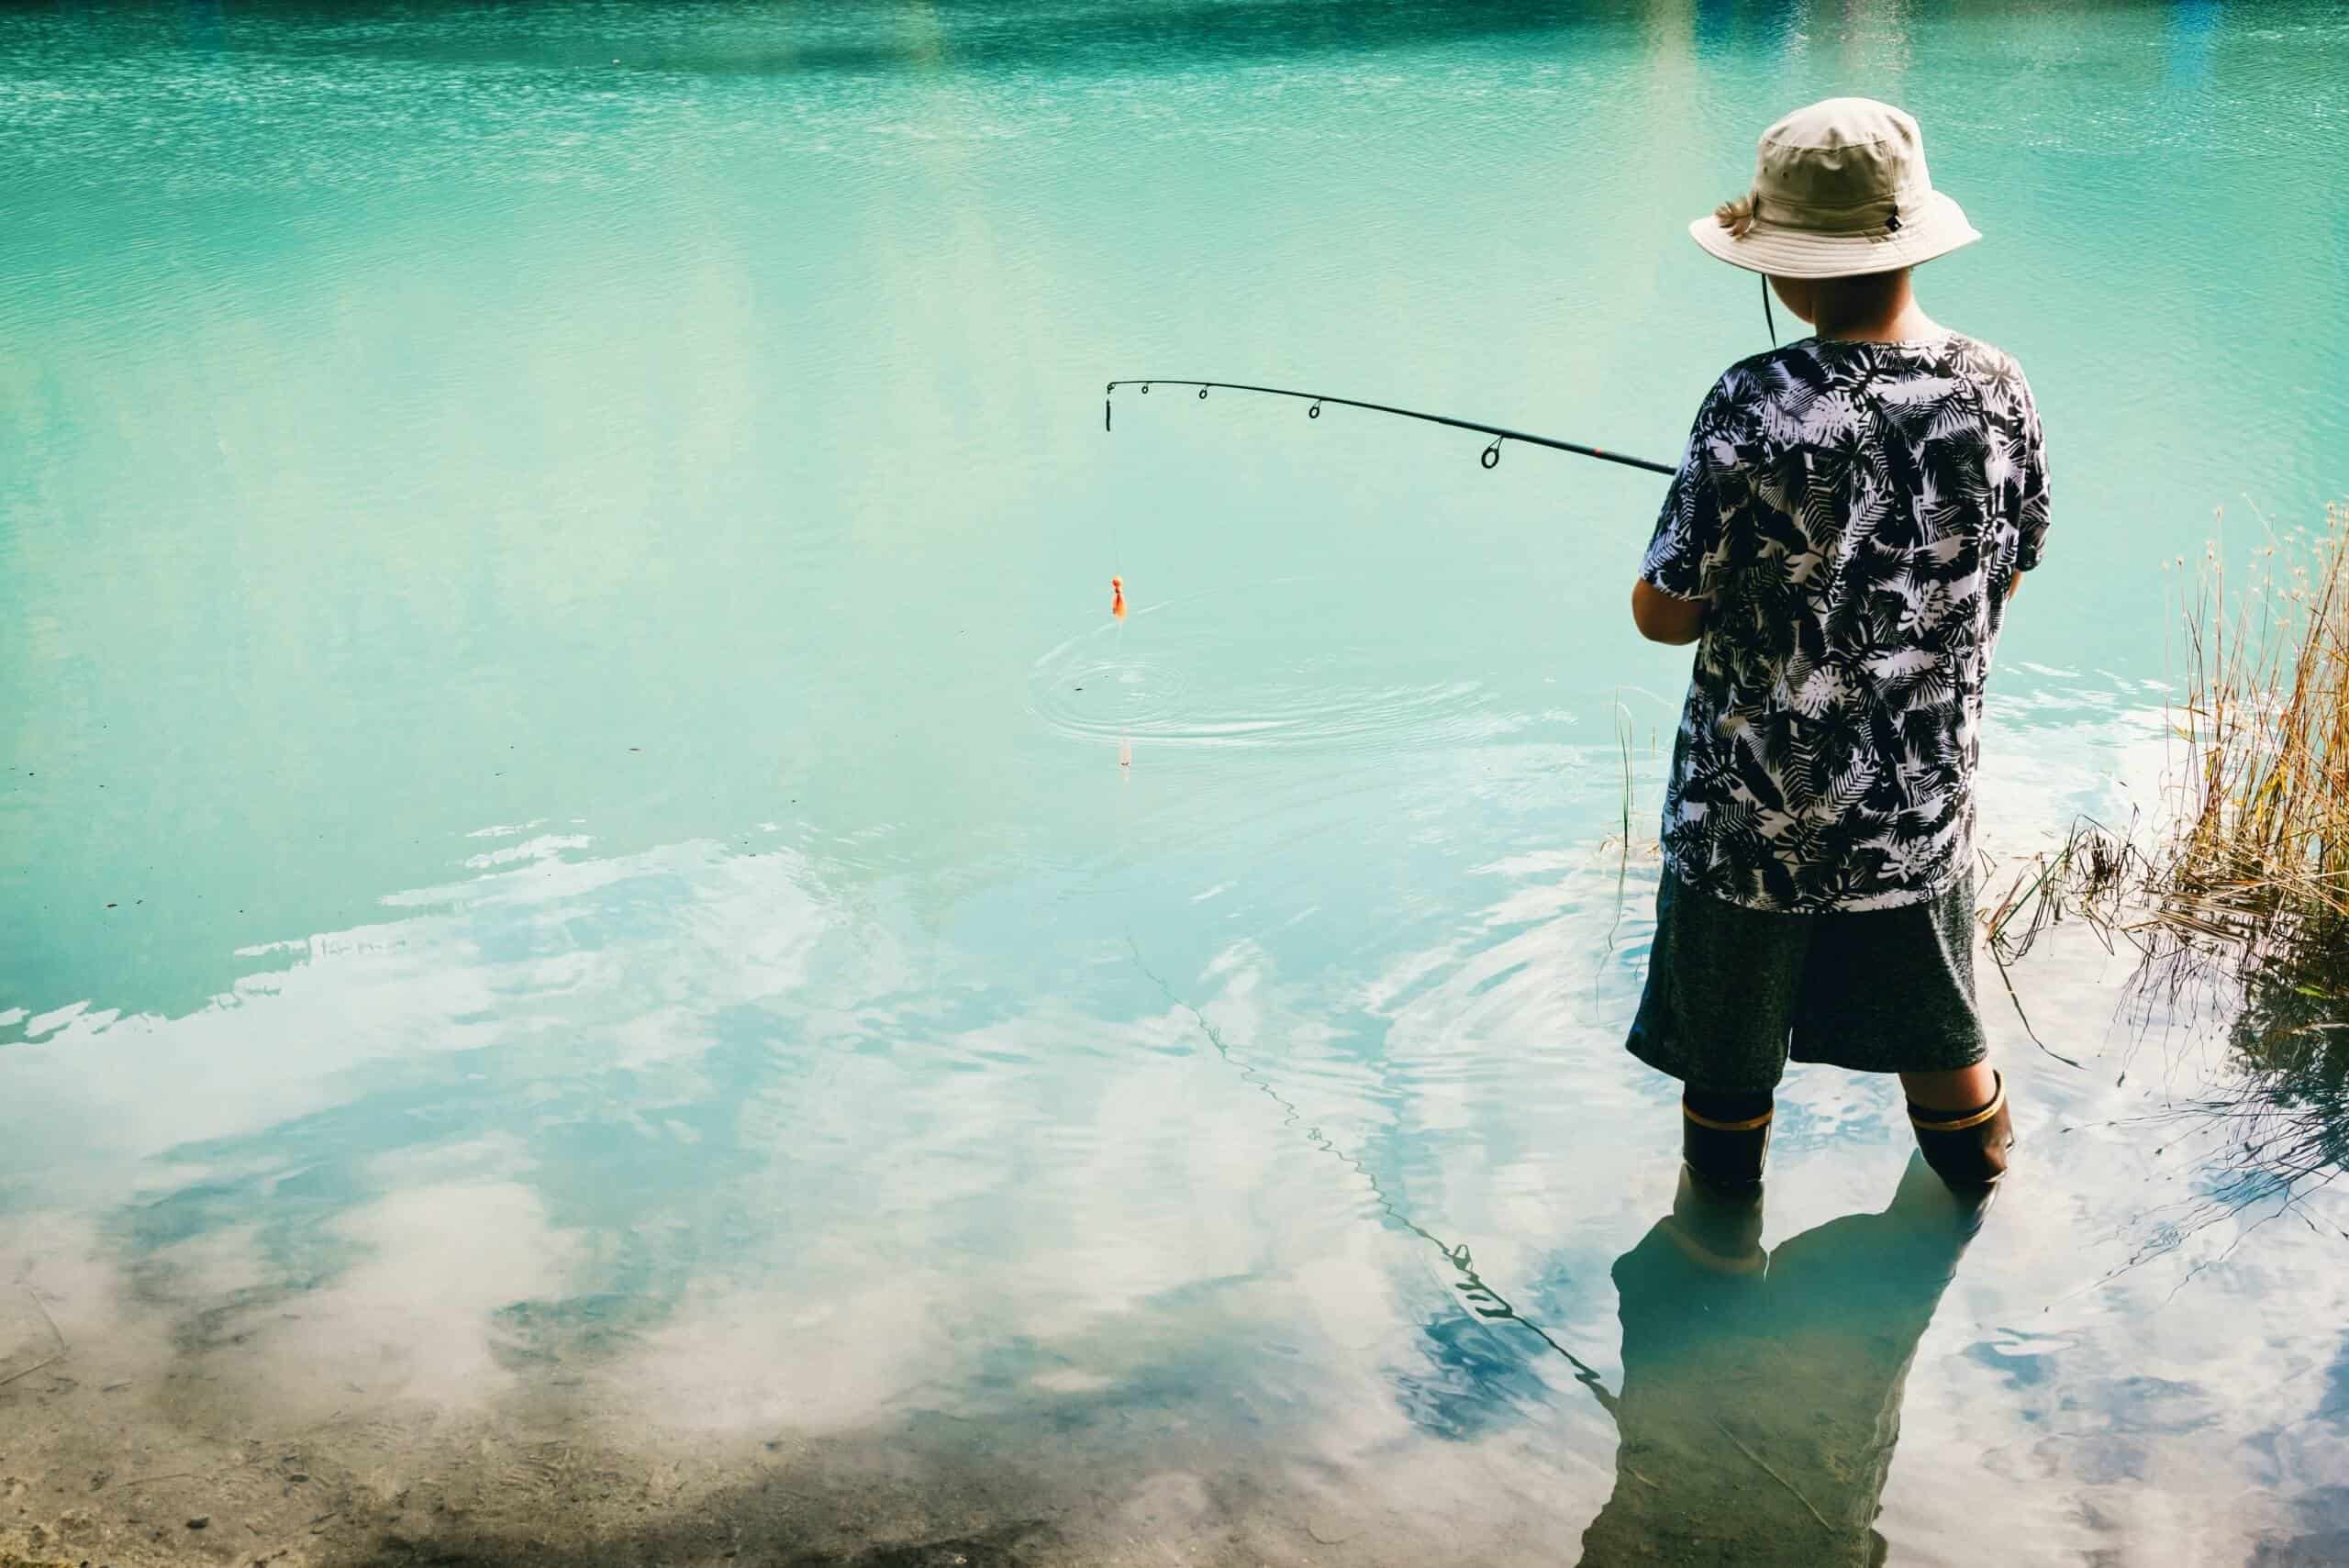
[1785, 252]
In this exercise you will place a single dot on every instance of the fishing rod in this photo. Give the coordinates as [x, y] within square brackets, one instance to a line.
[1492, 455]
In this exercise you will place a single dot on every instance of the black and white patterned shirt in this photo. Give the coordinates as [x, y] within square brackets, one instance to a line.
[1852, 514]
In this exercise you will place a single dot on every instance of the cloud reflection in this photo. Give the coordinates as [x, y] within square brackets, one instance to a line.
[716, 1150]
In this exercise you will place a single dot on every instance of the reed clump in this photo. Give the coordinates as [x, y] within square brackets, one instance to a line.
[2255, 871]
[2239, 886]
[2247, 860]
[2257, 856]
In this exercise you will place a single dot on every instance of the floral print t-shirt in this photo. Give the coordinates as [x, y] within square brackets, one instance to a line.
[1852, 514]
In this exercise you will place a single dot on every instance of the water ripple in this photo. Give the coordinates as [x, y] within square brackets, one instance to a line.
[1169, 678]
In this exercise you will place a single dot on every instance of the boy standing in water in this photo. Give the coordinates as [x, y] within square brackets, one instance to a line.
[1853, 512]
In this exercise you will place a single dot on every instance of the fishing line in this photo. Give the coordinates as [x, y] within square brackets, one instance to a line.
[1489, 458]
[1488, 1305]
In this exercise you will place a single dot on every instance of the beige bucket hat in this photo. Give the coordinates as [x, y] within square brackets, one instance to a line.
[1839, 188]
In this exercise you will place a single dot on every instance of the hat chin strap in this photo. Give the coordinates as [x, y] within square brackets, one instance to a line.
[1767, 320]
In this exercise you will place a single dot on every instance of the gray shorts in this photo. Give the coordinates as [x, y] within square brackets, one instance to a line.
[1733, 992]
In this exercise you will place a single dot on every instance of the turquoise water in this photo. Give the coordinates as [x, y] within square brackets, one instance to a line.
[585, 864]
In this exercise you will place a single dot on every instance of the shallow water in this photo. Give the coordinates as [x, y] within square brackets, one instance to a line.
[604, 936]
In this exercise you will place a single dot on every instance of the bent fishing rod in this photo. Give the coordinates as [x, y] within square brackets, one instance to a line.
[1490, 458]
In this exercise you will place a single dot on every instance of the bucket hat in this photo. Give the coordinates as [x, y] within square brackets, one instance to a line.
[1839, 188]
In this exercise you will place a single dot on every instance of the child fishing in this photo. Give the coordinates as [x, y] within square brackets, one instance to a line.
[1851, 516]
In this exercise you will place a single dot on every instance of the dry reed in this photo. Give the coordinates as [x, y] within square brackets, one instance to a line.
[2242, 879]
[2259, 852]
[2248, 860]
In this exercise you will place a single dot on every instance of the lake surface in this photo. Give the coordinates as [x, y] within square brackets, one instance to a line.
[602, 939]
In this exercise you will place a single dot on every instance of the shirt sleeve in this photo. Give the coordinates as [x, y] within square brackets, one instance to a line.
[1688, 528]
[2032, 462]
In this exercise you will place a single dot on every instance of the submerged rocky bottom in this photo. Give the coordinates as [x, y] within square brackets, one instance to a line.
[408, 1487]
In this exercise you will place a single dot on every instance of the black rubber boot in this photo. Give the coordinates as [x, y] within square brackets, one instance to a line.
[1967, 1150]
[1725, 1153]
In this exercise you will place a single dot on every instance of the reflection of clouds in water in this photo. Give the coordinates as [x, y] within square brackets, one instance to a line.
[526, 1037]
[2153, 1405]
[518, 965]
[2034, 784]
[415, 1315]
[1059, 1199]
[1486, 1043]
[727, 1150]
[713, 1093]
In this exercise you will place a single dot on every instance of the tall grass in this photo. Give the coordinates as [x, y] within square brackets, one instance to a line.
[2243, 876]
[2247, 858]
[2258, 849]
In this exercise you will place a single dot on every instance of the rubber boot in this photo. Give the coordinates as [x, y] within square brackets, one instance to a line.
[1968, 1151]
[1726, 1156]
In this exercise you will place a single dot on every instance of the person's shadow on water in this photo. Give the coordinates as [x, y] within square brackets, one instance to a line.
[1761, 1392]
